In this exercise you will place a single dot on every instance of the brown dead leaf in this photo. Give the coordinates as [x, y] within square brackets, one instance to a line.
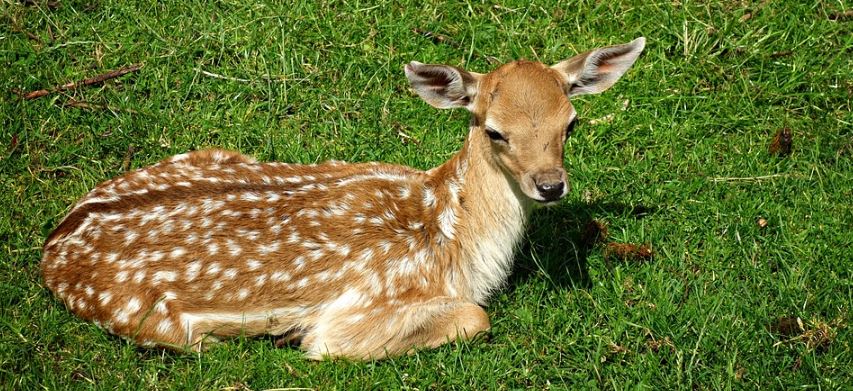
[786, 326]
[782, 143]
[797, 364]
[783, 53]
[815, 334]
[616, 349]
[13, 143]
[739, 373]
[628, 251]
[655, 345]
[841, 15]
[819, 335]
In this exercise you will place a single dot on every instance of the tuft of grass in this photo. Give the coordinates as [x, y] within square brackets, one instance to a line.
[675, 155]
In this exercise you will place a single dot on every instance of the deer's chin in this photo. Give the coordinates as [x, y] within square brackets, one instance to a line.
[546, 203]
[538, 199]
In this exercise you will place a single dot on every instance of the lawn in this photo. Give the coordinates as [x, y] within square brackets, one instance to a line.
[676, 156]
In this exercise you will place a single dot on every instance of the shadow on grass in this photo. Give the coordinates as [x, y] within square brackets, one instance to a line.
[558, 242]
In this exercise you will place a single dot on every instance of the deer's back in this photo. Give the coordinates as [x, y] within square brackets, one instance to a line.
[214, 231]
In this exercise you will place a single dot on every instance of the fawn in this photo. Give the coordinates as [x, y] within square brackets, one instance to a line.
[360, 261]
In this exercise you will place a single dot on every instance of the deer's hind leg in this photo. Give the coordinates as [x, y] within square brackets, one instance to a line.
[153, 323]
[375, 333]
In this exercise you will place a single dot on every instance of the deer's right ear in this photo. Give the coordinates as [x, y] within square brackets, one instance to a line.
[443, 86]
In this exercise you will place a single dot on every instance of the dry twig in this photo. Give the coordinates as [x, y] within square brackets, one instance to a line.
[86, 82]
[748, 178]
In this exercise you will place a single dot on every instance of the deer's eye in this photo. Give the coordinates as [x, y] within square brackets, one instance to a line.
[571, 127]
[495, 135]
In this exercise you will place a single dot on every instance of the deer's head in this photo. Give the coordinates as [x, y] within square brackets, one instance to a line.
[522, 109]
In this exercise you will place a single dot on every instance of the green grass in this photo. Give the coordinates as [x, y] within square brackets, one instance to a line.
[325, 82]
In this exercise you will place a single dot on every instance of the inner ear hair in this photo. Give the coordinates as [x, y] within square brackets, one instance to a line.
[597, 70]
[442, 86]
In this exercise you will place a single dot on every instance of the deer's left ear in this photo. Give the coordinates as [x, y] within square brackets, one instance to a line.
[443, 86]
[597, 70]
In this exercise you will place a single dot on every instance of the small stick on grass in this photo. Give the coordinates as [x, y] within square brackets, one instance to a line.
[748, 178]
[125, 163]
[86, 82]
[267, 78]
[841, 15]
[223, 77]
[435, 37]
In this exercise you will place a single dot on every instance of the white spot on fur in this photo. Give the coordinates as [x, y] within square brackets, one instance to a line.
[105, 297]
[213, 268]
[165, 326]
[446, 223]
[177, 252]
[133, 305]
[130, 237]
[212, 249]
[302, 283]
[343, 250]
[164, 275]
[139, 276]
[385, 246]
[253, 264]
[265, 249]
[375, 283]
[280, 276]
[404, 192]
[157, 256]
[243, 294]
[299, 262]
[293, 238]
[429, 197]
[193, 268]
[233, 248]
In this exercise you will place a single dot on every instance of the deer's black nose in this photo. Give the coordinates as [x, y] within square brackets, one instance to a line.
[550, 191]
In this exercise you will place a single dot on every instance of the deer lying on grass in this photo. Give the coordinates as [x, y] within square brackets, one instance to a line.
[353, 260]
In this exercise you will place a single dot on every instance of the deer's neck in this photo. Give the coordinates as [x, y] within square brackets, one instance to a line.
[484, 213]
